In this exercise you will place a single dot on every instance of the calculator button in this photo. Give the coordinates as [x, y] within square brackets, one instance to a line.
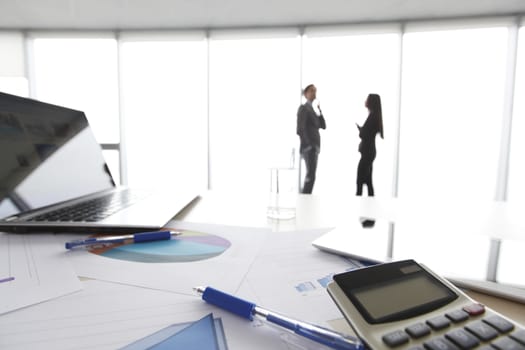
[462, 338]
[482, 330]
[499, 323]
[506, 343]
[457, 316]
[474, 309]
[418, 330]
[439, 344]
[439, 322]
[419, 347]
[519, 336]
[395, 338]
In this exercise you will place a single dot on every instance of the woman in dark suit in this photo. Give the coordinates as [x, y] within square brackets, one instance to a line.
[367, 147]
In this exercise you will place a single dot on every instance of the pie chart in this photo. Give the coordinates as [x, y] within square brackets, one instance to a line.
[189, 246]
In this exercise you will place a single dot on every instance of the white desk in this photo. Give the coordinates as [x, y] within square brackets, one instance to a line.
[108, 315]
[323, 212]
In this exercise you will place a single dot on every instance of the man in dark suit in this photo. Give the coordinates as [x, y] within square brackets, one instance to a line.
[308, 124]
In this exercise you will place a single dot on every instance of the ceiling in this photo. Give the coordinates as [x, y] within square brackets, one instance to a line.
[159, 14]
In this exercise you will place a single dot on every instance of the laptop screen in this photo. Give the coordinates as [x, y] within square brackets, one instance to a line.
[48, 154]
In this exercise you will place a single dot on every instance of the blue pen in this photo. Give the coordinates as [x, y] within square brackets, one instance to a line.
[134, 238]
[248, 310]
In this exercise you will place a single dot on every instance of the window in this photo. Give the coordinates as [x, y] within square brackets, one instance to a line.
[80, 73]
[451, 117]
[516, 190]
[346, 67]
[511, 254]
[12, 73]
[453, 83]
[254, 94]
[164, 88]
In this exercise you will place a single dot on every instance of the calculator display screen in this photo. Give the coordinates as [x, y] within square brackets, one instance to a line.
[394, 291]
[399, 295]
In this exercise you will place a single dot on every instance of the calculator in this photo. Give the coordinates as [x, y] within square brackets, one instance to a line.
[404, 305]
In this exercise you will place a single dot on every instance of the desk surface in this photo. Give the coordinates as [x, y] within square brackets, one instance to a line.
[109, 314]
[312, 212]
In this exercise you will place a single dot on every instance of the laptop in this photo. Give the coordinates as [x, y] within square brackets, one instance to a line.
[370, 247]
[352, 241]
[53, 177]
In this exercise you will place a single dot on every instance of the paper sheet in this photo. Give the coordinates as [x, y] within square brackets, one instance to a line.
[225, 271]
[278, 270]
[110, 316]
[290, 276]
[34, 269]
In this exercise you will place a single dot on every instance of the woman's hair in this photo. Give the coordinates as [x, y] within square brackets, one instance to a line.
[373, 102]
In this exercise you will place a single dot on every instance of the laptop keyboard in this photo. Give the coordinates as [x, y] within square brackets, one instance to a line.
[93, 210]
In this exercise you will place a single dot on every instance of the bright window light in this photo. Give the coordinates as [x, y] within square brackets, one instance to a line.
[451, 117]
[254, 94]
[82, 74]
[451, 114]
[511, 255]
[164, 85]
[15, 86]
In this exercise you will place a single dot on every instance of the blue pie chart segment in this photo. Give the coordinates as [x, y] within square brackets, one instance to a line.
[190, 246]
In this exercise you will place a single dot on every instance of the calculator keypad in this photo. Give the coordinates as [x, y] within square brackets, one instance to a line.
[437, 323]
[519, 336]
[439, 343]
[499, 323]
[506, 343]
[482, 330]
[396, 338]
[457, 316]
[492, 332]
[418, 330]
[462, 338]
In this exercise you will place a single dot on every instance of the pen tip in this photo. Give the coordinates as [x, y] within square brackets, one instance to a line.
[199, 289]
